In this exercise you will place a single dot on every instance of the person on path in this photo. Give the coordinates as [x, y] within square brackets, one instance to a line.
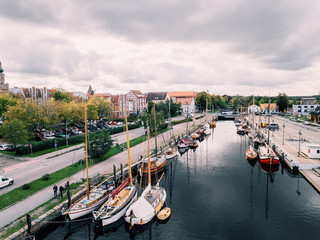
[61, 191]
[55, 190]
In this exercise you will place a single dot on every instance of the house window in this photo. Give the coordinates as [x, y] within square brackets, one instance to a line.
[305, 106]
[318, 151]
[299, 110]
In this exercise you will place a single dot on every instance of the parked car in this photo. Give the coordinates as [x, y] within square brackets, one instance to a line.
[5, 181]
[307, 123]
[273, 126]
[4, 147]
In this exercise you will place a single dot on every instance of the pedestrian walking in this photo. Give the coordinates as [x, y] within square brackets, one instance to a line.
[61, 191]
[55, 190]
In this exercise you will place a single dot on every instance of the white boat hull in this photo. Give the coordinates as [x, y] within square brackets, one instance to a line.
[116, 217]
[74, 214]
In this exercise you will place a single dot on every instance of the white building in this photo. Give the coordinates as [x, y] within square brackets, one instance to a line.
[312, 150]
[187, 100]
[253, 108]
[303, 109]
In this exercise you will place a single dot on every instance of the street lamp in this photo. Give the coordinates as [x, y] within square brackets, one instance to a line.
[299, 133]
[283, 126]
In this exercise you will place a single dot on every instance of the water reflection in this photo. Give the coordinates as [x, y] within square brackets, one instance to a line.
[214, 193]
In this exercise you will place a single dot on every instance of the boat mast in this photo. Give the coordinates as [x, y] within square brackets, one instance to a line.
[149, 174]
[207, 108]
[269, 122]
[155, 128]
[86, 138]
[252, 123]
[128, 145]
[169, 121]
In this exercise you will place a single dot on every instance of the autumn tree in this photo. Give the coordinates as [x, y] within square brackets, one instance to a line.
[15, 132]
[29, 113]
[61, 95]
[7, 100]
[99, 107]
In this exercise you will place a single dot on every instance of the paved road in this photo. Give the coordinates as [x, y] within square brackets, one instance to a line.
[30, 169]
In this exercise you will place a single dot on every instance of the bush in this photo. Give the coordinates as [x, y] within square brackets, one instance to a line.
[45, 177]
[25, 186]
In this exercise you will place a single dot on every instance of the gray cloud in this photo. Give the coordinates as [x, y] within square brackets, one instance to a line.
[171, 42]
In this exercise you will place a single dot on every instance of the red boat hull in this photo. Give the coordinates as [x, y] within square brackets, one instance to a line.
[269, 161]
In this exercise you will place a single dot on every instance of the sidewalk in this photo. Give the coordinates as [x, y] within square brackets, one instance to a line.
[106, 167]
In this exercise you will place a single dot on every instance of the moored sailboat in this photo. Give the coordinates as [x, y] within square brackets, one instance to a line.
[158, 160]
[147, 206]
[119, 201]
[93, 198]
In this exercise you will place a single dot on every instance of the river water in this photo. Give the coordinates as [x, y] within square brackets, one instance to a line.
[214, 193]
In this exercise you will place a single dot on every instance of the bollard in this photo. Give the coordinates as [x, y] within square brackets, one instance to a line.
[115, 174]
[122, 177]
[29, 223]
[69, 198]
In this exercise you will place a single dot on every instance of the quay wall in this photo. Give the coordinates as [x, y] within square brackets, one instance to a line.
[101, 169]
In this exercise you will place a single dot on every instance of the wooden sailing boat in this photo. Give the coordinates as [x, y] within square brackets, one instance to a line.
[267, 155]
[172, 151]
[149, 203]
[193, 143]
[94, 198]
[157, 161]
[194, 135]
[119, 201]
[251, 153]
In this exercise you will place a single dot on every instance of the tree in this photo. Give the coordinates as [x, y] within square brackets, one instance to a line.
[99, 144]
[99, 107]
[15, 132]
[61, 95]
[282, 102]
[6, 100]
[201, 99]
[31, 114]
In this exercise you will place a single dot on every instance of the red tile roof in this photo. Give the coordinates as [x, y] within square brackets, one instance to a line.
[182, 94]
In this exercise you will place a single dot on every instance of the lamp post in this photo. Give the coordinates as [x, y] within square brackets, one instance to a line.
[283, 126]
[299, 133]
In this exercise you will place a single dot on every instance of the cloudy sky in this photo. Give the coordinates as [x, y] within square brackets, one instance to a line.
[227, 47]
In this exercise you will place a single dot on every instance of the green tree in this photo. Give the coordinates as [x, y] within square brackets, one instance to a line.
[61, 95]
[31, 114]
[99, 107]
[201, 100]
[282, 102]
[6, 100]
[15, 132]
[99, 144]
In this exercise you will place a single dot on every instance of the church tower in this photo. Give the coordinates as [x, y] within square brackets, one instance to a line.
[4, 87]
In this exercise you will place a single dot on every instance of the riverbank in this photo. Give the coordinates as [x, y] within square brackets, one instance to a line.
[105, 167]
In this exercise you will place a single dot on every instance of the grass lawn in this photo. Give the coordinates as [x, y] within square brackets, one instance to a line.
[19, 194]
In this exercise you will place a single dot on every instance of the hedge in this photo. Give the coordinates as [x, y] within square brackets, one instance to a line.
[49, 143]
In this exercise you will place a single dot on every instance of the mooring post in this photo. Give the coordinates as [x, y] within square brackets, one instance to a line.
[29, 223]
[122, 177]
[115, 174]
[69, 198]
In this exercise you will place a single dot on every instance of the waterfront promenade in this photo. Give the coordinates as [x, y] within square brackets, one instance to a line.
[287, 142]
[106, 167]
